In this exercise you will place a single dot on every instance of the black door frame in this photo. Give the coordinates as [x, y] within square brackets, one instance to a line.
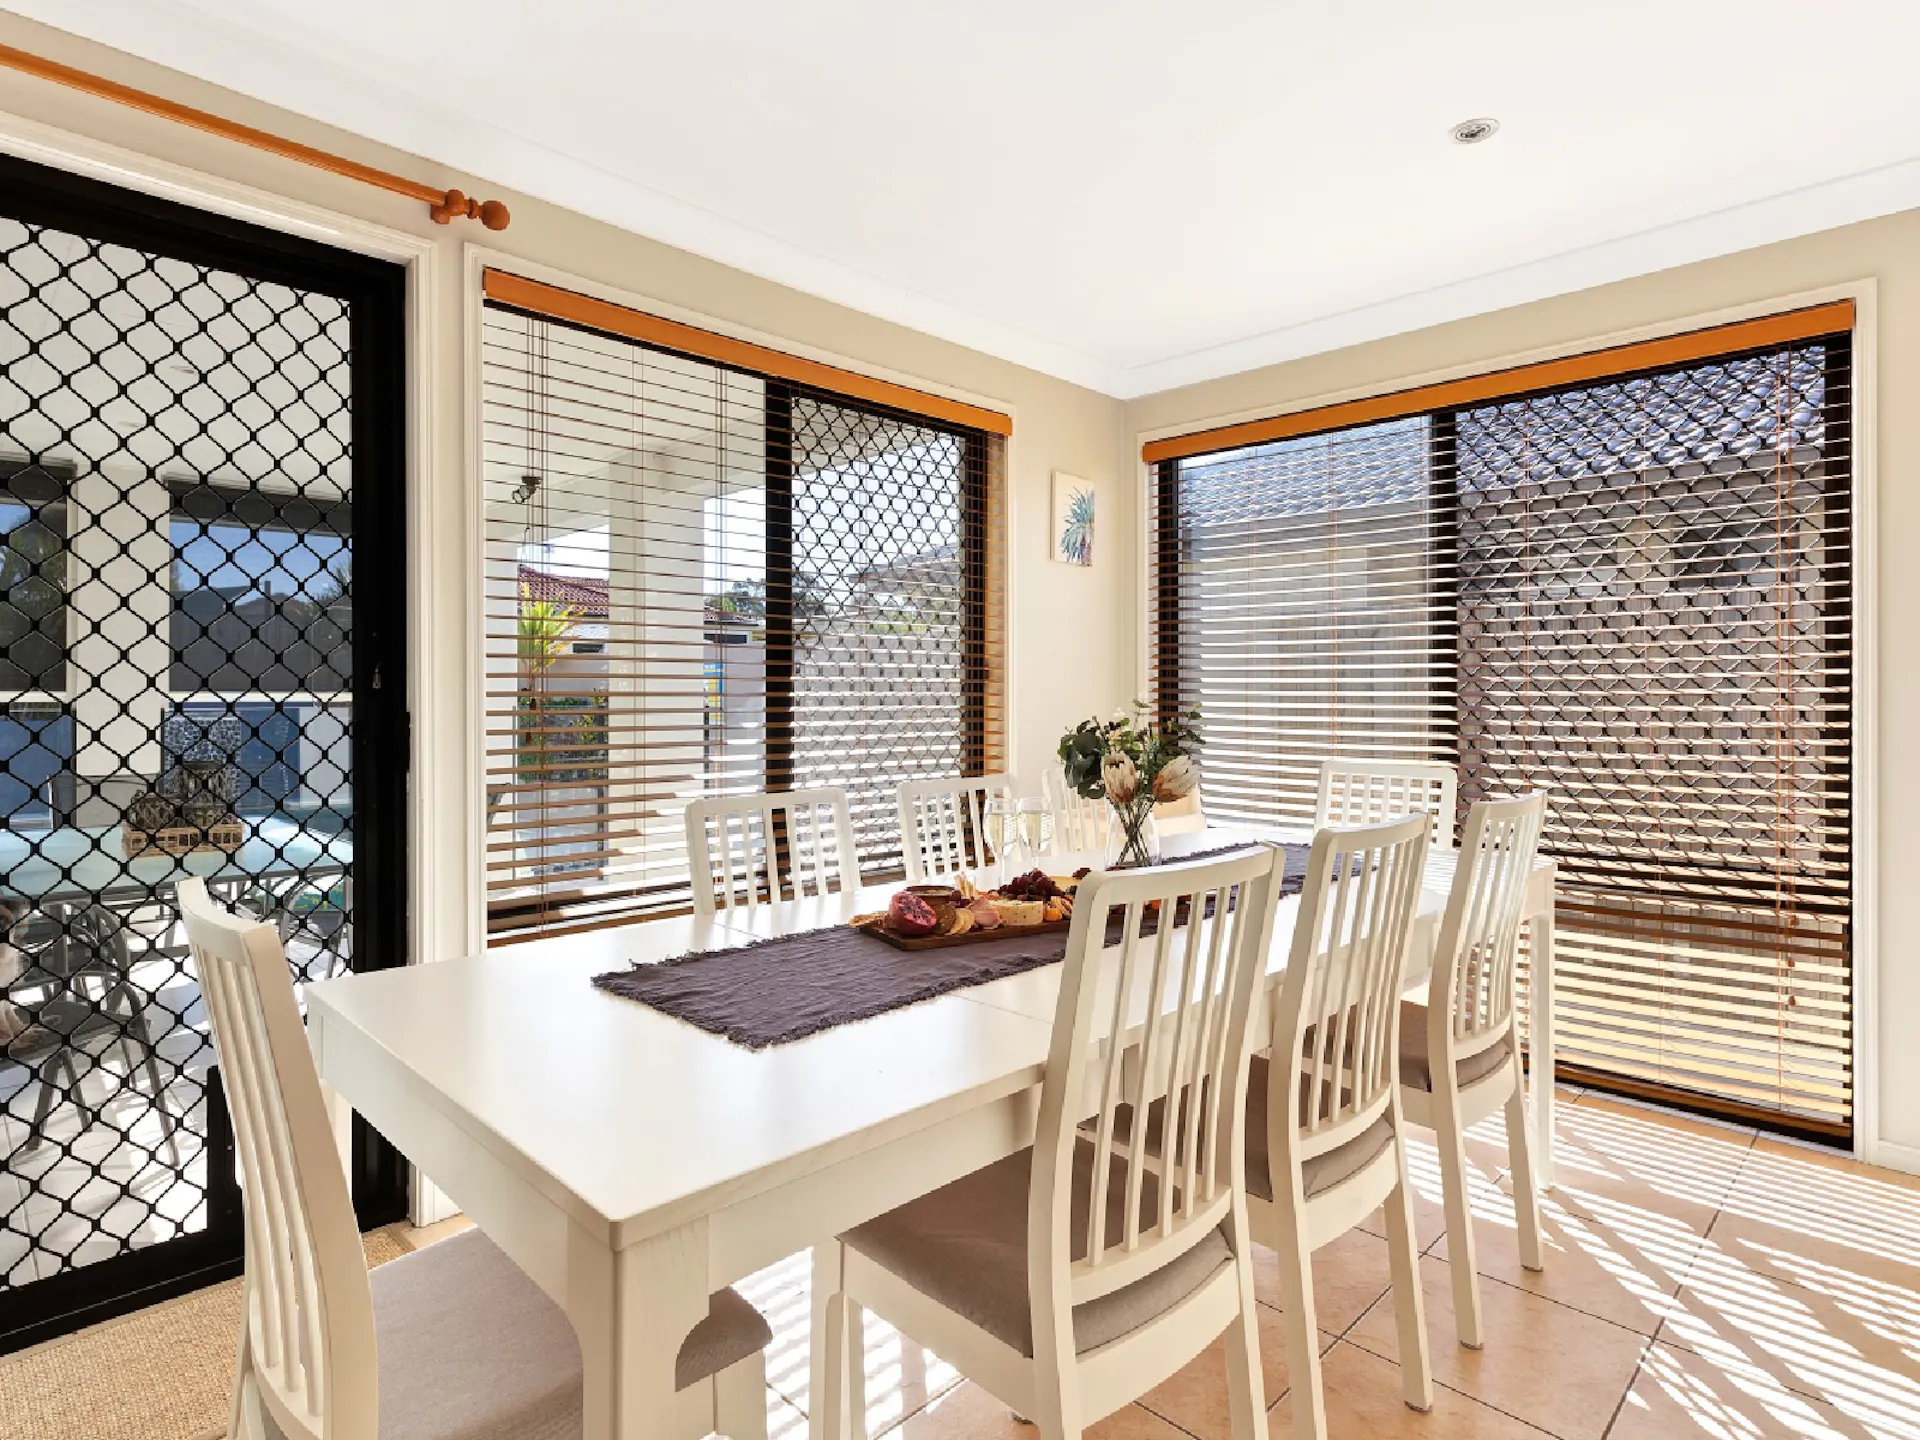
[375, 291]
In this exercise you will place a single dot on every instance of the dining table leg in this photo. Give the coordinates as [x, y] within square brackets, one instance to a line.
[1540, 1041]
[632, 1308]
[836, 1356]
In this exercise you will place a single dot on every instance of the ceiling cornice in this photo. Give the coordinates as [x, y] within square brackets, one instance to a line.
[188, 39]
[1845, 201]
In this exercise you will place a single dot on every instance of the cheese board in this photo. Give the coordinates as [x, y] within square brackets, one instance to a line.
[878, 929]
[936, 916]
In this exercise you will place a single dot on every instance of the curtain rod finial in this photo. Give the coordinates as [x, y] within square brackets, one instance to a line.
[455, 204]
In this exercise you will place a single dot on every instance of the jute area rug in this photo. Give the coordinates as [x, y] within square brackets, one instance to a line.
[163, 1373]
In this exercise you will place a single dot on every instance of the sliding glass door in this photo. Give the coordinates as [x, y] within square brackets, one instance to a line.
[706, 580]
[202, 647]
[1635, 594]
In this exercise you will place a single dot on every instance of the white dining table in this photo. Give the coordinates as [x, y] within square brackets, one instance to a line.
[632, 1164]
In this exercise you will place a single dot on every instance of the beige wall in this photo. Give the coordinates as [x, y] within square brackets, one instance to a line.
[1886, 252]
[1057, 674]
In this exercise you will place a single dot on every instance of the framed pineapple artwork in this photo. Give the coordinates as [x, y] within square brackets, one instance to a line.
[1071, 542]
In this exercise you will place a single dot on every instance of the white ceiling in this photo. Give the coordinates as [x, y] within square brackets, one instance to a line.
[1130, 194]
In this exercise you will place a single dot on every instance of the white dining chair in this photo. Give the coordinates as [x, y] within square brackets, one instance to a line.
[1325, 1132]
[771, 846]
[941, 829]
[1460, 1051]
[1067, 1280]
[452, 1342]
[1365, 792]
[1079, 824]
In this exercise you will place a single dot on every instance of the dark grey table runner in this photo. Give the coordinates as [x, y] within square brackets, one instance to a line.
[774, 991]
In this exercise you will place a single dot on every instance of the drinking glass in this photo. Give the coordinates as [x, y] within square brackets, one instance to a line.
[1036, 827]
[1000, 821]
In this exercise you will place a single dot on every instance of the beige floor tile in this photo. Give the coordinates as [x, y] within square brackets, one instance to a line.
[1429, 1221]
[969, 1413]
[1349, 1274]
[1844, 1217]
[1363, 1401]
[1843, 1338]
[1679, 1166]
[1670, 1121]
[1608, 1257]
[1554, 1367]
[1823, 1157]
[784, 1420]
[1195, 1399]
[1811, 1276]
[1679, 1395]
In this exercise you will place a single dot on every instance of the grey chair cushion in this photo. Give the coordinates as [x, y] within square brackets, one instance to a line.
[471, 1349]
[732, 1331]
[1322, 1172]
[965, 1245]
[1415, 1071]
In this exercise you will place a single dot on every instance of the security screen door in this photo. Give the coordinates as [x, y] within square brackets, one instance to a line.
[202, 671]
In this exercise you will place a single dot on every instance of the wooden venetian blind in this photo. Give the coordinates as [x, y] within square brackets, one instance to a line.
[706, 574]
[1629, 585]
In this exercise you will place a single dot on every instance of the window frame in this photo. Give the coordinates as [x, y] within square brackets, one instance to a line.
[984, 674]
[1851, 418]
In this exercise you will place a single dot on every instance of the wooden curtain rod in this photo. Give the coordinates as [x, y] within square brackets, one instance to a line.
[555, 303]
[442, 205]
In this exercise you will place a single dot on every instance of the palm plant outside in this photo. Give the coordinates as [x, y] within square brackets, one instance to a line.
[546, 629]
[559, 734]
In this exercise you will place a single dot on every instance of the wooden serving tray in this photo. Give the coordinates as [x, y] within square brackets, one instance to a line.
[940, 942]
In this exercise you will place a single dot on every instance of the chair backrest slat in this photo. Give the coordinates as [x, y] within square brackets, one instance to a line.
[1337, 1025]
[1188, 1046]
[1111, 1078]
[1476, 955]
[776, 845]
[1079, 824]
[1366, 792]
[942, 827]
[309, 1310]
[1168, 1039]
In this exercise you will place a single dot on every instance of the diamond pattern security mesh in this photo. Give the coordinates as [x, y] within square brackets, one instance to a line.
[881, 622]
[1636, 595]
[1655, 624]
[176, 610]
[705, 581]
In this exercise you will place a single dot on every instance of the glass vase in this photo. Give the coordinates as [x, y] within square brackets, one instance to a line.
[1133, 839]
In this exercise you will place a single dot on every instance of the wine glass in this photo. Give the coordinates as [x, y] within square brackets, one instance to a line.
[1000, 821]
[1035, 818]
